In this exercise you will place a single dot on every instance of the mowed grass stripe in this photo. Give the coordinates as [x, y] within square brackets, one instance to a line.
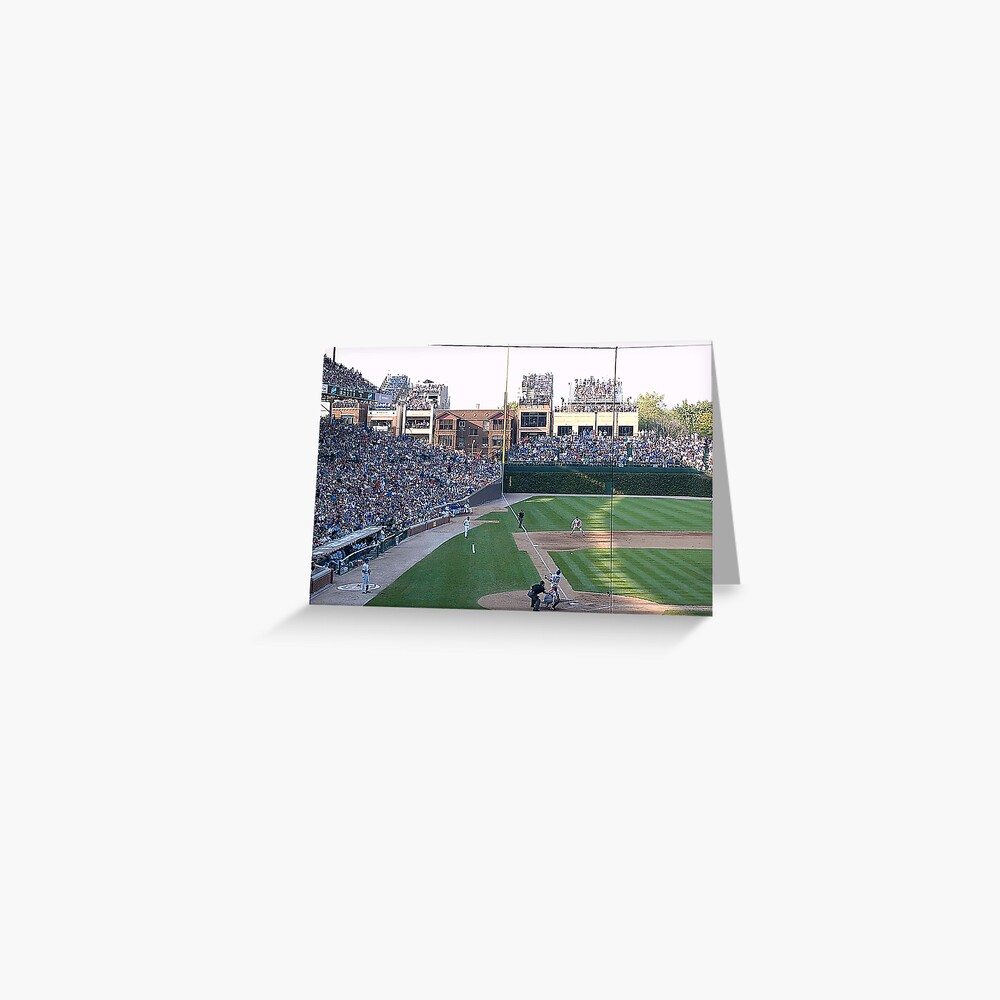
[556, 513]
[687, 577]
[660, 514]
[667, 576]
[452, 577]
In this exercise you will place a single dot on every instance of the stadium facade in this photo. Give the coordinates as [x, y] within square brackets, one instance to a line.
[422, 410]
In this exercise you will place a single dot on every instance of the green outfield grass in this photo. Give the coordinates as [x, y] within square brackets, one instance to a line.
[667, 576]
[452, 577]
[630, 514]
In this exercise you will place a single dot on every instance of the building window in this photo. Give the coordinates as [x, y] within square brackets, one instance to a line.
[625, 430]
[447, 425]
[534, 419]
[564, 429]
[584, 429]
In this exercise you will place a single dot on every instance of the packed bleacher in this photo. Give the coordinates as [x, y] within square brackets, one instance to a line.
[367, 478]
[689, 451]
[570, 449]
[590, 449]
[536, 389]
[347, 380]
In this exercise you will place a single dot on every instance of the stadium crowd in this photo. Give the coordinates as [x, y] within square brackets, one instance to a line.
[590, 449]
[346, 379]
[367, 478]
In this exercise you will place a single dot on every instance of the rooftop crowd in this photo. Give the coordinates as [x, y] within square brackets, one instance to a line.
[421, 402]
[594, 390]
[421, 396]
[537, 388]
[590, 449]
[578, 407]
[367, 478]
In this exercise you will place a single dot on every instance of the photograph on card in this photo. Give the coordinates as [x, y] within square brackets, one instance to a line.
[527, 478]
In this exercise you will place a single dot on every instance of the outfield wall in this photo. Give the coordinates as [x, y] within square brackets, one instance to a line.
[485, 495]
[580, 480]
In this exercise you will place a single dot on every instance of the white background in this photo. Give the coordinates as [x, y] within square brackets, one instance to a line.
[213, 791]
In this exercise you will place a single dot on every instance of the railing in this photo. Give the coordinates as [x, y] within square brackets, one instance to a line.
[601, 470]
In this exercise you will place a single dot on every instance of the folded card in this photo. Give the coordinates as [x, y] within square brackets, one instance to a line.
[577, 480]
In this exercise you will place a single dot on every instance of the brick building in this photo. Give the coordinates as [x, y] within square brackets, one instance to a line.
[476, 432]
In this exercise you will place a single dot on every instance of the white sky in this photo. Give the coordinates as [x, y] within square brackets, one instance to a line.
[475, 375]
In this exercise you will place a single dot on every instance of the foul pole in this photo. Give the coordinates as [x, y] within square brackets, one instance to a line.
[506, 426]
[611, 506]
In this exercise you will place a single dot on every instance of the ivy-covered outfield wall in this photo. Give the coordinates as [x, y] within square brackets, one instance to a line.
[603, 479]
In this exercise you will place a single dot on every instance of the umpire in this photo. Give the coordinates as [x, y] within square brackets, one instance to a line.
[535, 594]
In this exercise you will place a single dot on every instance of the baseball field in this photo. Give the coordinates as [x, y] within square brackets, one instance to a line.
[636, 555]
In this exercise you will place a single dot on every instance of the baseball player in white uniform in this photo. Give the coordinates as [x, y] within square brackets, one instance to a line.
[577, 525]
[365, 577]
[556, 580]
[468, 524]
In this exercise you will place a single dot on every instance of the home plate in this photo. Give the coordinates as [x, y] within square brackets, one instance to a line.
[357, 586]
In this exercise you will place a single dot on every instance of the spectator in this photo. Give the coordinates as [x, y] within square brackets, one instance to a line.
[648, 449]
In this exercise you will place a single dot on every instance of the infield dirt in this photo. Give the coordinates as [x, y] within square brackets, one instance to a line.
[577, 602]
[563, 541]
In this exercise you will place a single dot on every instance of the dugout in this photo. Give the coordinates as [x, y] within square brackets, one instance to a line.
[373, 543]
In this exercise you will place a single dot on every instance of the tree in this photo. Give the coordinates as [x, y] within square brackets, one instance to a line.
[694, 418]
[510, 425]
[703, 420]
[678, 421]
[652, 413]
